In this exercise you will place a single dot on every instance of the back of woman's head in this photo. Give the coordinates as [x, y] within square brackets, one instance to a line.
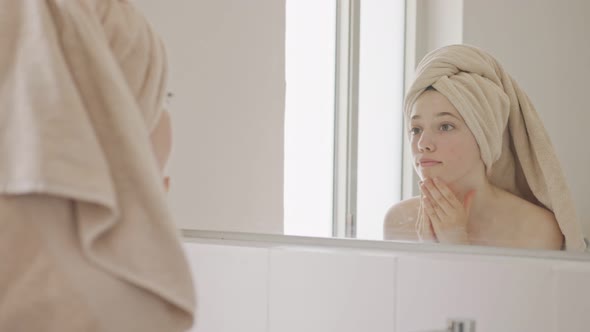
[83, 83]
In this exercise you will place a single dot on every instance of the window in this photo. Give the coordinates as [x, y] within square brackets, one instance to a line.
[380, 115]
[343, 127]
[309, 116]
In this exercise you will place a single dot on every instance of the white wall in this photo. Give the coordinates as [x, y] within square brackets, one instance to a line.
[257, 287]
[438, 23]
[227, 75]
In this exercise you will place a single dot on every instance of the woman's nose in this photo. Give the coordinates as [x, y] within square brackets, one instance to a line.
[425, 143]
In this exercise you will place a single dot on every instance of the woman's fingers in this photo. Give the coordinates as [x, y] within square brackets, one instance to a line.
[435, 216]
[424, 226]
[448, 215]
[447, 193]
[437, 198]
[435, 213]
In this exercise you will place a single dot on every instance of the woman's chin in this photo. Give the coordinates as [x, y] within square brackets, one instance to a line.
[428, 174]
[439, 175]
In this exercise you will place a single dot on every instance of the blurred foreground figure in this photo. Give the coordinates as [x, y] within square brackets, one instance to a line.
[86, 239]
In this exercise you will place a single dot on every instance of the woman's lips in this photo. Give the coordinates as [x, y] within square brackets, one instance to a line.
[429, 163]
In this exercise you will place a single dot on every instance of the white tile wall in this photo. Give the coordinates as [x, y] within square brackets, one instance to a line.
[231, 284]
[300, 289]
[506, 296]
[572, 297]
[315, 291]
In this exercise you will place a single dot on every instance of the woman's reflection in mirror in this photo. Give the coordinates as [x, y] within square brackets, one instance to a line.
[488, 173]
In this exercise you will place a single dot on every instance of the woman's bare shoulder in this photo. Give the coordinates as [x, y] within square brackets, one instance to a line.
[402, 209]
[538, 226]
[400, 220]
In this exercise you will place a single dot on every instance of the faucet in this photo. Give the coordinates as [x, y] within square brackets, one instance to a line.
[461, 325]
[458, 325]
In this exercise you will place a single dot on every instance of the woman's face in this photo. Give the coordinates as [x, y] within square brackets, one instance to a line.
[442, 144]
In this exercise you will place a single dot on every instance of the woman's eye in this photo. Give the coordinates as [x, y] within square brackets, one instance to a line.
[415, 131]
[447, 127]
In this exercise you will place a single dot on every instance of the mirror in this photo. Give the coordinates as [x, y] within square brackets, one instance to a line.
[227, 61]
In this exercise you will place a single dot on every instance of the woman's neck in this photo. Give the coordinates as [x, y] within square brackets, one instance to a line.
[485, 194]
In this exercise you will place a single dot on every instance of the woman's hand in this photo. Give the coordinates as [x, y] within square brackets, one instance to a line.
[448, 215]
[424, 225]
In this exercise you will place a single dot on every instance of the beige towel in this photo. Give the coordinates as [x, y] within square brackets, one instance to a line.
[514, 145]
[84, 226]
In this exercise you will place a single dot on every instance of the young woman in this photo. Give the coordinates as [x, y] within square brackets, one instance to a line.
[488, 173]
